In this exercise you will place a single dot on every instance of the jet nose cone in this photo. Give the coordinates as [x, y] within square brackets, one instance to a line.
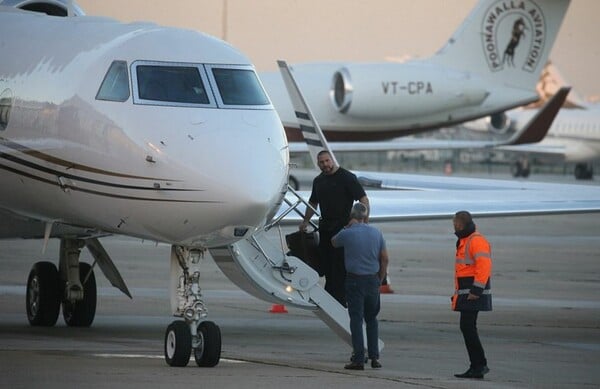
[251, 179]
[257, 186]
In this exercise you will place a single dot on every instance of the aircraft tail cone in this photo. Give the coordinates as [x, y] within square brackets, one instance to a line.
[278, 308]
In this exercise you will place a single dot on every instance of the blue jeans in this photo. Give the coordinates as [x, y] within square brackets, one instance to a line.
[362, 297]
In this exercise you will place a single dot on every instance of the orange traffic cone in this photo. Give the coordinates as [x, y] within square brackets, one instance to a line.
[385, 287]
[278, 308]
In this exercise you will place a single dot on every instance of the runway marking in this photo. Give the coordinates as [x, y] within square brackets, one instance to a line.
[578, 346]
[149, 356]
[128, 356]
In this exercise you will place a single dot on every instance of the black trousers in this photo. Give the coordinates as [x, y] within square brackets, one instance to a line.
[468, 327]
[332, 264]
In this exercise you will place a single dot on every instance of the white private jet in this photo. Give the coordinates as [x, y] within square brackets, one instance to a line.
[573, 137]
[166, 135]
[136, 129]
[490, 64]
[531, 131]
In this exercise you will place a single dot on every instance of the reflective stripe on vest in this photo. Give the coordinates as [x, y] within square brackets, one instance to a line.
[479, 284]
[468, 260]
[467, 291]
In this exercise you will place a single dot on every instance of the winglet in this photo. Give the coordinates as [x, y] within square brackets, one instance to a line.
[311, 132]
[539, 125]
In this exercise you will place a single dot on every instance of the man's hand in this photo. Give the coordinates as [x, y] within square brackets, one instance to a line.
[472, 296]
[303, 225]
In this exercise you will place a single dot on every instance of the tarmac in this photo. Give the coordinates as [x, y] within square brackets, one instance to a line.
[544, 331]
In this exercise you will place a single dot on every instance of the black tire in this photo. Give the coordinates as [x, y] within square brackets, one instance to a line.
[178, 344]
[579, 171]
[42, 298]
[82, 313]
[208, 353]
[515, 169]
[584, 171]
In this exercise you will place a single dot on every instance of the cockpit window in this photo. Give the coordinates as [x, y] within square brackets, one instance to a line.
[173, 84]
[197, 85]
[115, 86]
[239, 87]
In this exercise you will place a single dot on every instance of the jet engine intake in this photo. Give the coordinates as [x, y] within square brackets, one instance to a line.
[499, 123]
[394, 91]
[49, 7]
[341, 90]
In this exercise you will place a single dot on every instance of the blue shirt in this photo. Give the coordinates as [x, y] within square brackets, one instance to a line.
[362, 245]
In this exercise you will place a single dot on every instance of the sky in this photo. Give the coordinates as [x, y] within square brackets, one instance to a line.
[351, 30]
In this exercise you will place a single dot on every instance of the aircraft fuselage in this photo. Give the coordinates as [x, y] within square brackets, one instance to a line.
[84, 142]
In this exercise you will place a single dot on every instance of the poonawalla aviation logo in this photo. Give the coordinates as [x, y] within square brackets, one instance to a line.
[514, 33]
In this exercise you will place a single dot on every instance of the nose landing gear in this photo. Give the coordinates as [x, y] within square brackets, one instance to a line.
[190, 334]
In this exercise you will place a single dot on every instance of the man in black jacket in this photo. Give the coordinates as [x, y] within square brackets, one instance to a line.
[333, 191]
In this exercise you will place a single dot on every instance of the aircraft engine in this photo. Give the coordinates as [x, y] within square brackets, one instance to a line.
[398, 91]
[499, 123]
[49, 7]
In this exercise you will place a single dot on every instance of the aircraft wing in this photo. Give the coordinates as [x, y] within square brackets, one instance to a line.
[420, 197]
[538, 148]
[534, 131]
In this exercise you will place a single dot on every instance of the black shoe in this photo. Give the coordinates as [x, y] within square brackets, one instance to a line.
[474, 373]
[375, 364]
[470, 374]
[352, 358]
[354, 366]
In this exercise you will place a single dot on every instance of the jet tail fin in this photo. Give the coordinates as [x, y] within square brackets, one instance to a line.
[539, 125]
[310, 129]
[506, 42]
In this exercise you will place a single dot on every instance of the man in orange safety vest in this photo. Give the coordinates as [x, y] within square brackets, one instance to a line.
[472, 293]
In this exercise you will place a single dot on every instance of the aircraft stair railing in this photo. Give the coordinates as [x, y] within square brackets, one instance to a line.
[293, 206]
[261, 267]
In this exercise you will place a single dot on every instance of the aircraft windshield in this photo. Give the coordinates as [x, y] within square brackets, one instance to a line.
[174, 84]
[193, 85]
[115, 86]
[239, 87]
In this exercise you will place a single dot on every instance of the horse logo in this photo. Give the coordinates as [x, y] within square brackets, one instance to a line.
[518, 31]
[517, 26]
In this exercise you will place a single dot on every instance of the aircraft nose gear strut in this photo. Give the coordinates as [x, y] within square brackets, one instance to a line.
[183, 336]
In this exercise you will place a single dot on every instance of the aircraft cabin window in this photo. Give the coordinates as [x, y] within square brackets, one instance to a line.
[115, 86]
[239, 87]
[172, 84]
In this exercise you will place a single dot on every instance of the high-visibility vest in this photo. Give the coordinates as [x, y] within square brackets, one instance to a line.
[472, 273]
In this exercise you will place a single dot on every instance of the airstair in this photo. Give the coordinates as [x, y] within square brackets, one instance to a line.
[261, 268]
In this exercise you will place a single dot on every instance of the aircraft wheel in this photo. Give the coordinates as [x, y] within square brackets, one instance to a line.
[583, 171]
[208, 353]
[515, 169]
[82, 313]
[42, 296]
[579, 171]
[178, 344]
